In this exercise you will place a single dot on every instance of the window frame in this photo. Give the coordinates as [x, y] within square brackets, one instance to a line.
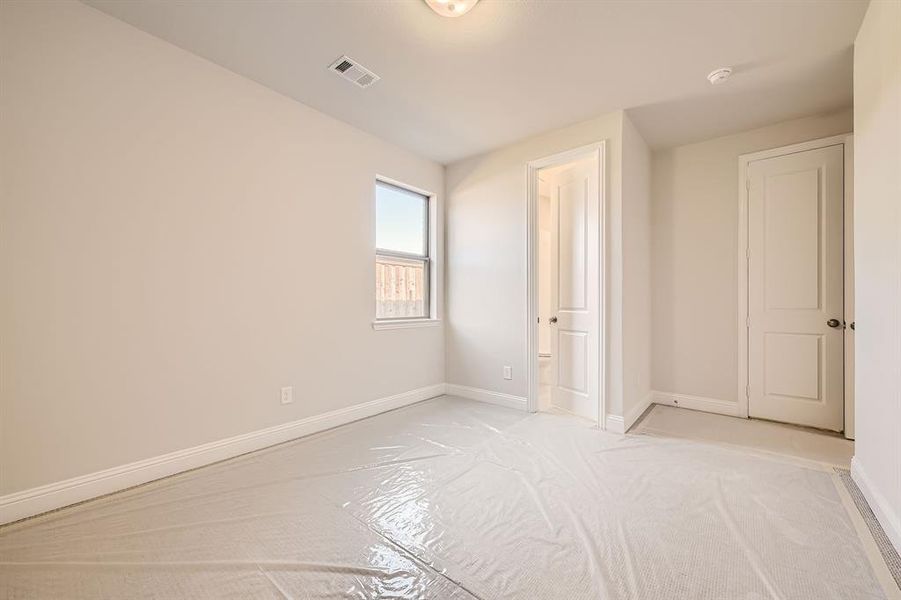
[427, 259]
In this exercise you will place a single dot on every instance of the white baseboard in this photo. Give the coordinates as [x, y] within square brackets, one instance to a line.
[622, 423]
[615, 424]
[711, 405]
[508, 400]
[632, 415]
[41, 499]
[885, 512]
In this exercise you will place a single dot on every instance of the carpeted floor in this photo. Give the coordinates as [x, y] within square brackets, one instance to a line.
[456, 499]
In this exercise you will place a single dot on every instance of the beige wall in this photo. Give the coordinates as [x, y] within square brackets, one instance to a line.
[695, 255]
[636, 273]
[486, 259]
[877, 263]
[162, 221]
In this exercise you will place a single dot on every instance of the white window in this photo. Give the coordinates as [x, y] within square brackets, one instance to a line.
[402, 261]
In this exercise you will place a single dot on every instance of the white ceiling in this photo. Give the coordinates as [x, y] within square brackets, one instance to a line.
[452, 88]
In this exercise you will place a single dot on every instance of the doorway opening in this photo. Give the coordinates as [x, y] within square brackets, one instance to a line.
[566, 283]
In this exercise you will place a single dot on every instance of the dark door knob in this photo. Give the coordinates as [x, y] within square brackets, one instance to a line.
[833, 323]
[553, 319]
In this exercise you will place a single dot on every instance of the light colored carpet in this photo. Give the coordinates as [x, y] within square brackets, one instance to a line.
[456, 499]
[764, 436]
[889, 554]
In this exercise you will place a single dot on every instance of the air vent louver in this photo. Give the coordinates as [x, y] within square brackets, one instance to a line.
[352, 71]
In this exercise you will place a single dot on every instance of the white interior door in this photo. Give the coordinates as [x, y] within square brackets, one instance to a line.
[575, 276]
[796, 288]
[544, 269]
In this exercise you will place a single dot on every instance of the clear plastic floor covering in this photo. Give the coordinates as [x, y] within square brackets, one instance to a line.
[456, 499]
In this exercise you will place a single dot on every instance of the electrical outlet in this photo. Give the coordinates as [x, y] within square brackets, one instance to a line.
[508, 372]
[287, 395]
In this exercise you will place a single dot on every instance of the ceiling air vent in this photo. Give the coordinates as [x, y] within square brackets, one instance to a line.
[351, 70]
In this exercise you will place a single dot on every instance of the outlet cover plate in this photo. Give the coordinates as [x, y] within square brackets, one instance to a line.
[287, 395]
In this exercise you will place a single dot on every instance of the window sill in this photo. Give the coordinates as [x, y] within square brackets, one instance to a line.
[405, 324]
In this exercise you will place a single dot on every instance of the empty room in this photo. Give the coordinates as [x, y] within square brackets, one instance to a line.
[470, 299]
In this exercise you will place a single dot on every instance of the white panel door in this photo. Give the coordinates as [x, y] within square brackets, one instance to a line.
[574, 290]
[545, 240]
[796, 288]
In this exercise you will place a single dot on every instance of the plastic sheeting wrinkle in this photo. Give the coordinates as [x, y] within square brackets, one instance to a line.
[274, 583]
[754, 559]
[414, 556]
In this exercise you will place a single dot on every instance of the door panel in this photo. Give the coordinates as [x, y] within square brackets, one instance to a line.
[791, 218]
[795, 286]
[572, 361]
[797, 378]
[574, 289]
[572, 236]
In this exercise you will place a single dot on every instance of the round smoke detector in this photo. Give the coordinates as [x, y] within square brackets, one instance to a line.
[720, 75]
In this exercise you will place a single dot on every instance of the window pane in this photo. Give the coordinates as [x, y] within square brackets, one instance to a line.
[401, 219]
[400, 288]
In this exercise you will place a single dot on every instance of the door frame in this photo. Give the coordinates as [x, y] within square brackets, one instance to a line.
[744, 160]
[598, 150]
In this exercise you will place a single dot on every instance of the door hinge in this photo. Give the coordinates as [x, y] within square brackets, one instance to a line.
[748, 391]
[748, 253]
[748, 183]
[748, 322]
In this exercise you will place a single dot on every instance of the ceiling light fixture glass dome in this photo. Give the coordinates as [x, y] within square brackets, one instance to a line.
[451, 8]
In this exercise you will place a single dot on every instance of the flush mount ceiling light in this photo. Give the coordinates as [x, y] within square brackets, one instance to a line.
[720, 75]
[451, 8]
